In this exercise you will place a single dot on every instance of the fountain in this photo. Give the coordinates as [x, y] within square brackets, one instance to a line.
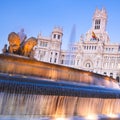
[52, 91]
[34, 90]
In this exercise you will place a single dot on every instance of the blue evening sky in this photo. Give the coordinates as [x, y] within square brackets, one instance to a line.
[37, 16]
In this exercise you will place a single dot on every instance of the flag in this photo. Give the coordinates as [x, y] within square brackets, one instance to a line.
[93, 35]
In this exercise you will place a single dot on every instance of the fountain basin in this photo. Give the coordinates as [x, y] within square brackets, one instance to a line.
[14, 64]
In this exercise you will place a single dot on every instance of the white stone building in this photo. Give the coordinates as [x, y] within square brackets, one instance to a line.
[94, 52]
[48, 49]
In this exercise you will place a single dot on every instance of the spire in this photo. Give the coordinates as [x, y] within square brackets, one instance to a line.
[97, 11]
[104, 12]
[100, 13]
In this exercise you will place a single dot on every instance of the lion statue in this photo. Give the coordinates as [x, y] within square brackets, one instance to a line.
[27, 47]
[14, 43]
[16, 46]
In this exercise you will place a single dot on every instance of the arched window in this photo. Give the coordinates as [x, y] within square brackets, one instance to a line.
[88, 65]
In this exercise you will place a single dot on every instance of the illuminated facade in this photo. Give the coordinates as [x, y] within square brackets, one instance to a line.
[94, 51]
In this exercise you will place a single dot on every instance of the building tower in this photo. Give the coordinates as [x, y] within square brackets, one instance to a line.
[56, 43]
[57, 34]
[98, 30]
[99, 20]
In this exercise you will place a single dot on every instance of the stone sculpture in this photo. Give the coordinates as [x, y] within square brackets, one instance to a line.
[14, 43]
[16, 46]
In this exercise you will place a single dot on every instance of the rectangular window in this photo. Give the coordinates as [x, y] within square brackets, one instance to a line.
[43, 44]
[55, 60]
[97, 24]
[44, 52]
[118, 48]
[92, 47]
[56, 54]
[50, 59]
[54, 36]
[62, 61]
[58, 36]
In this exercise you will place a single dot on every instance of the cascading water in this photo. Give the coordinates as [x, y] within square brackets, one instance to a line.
[20, 105]
[21, 100]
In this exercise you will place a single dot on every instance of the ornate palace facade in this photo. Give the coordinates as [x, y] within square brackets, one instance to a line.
[94, 51]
